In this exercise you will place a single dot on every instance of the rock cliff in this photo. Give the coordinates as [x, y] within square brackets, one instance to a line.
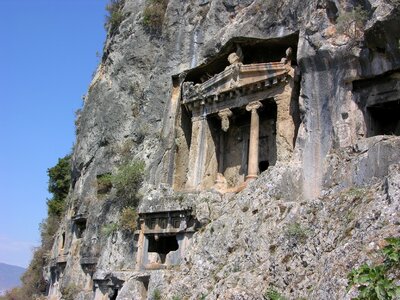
[325, 196]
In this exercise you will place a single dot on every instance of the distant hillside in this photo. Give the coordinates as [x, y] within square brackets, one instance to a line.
[9, 276]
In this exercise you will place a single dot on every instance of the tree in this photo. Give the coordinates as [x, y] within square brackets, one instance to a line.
[59, 183]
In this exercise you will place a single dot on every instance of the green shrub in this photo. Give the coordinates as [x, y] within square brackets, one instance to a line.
[272, 294]
[104, 183]
[355, 193]
[128, 219]
[60, 178]
[69, 292]
[115, 16]
[203, 296]
[156, 294]
[127, 181]
[153, 15]
[295, 233]
[392, 252]
[109, 229]
[55, 207]
[373, 282]
[59, 183]
[351, 23]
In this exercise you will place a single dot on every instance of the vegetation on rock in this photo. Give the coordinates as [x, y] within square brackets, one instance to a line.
[272, 294]
[153, 15]
[126, 222]
[128, 219]
[127, 181]
[69, 292]
[115, 16]
[156, 295]
[59, 182]
[351, 23]
[377, 282]
[109, 229]
[295, 233]
[104, 183]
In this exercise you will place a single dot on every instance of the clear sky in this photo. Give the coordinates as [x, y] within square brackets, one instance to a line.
[47, 57]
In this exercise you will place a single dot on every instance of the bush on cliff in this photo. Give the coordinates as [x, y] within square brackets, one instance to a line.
[59, 182]
[128, 219]
[115, 16]
[127, 181]
[153, 15]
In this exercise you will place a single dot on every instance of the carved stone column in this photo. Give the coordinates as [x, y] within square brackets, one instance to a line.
[140, 249]
[224, 115]
[252, 169]
[197, 151]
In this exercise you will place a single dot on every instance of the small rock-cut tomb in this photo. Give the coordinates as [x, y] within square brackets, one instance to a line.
[163, 238]
[379, 101]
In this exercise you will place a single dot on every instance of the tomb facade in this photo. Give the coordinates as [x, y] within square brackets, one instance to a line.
[162, 238]
[235, 124]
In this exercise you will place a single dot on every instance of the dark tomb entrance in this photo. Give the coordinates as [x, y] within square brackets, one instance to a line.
[384, 118]
[162, 245]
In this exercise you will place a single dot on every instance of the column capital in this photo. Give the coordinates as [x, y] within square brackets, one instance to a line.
[224, 115]
[226, 112]
[253, 106]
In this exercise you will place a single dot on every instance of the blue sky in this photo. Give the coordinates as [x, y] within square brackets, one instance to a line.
[47, 57]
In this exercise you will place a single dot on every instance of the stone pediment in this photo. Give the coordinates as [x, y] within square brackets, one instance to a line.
[236, 79]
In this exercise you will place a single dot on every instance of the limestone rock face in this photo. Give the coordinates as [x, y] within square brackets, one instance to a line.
[323, 201]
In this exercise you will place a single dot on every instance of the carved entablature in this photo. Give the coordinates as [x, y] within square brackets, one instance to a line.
[60, 260]
[235, 81]
[168, 222]
[88, 260]
[79, 218]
